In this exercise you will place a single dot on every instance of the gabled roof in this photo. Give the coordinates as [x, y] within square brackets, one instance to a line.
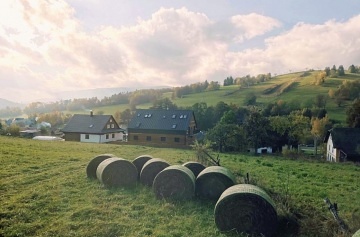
[346, 139]
[90, 124]
[171, 121]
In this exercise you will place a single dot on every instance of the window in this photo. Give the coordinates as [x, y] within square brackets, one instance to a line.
[163, 139]
[110, 120]
[176, 139]
[87, 136]
[107, 136]
[173, 116]
[173, 126]
[136, 137]
[113, 135]
[108, 126]
[148, 138]
[112, 125]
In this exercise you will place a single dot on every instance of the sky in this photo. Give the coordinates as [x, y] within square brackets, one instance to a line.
[51, 46]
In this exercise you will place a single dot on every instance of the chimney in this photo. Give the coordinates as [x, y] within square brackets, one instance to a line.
[91, 113]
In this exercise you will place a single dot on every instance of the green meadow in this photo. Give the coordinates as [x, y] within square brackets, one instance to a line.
[44, 191]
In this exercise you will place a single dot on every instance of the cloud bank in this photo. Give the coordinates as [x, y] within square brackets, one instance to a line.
[44, 48]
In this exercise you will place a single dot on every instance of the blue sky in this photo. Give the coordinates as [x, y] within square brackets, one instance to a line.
[66, 45]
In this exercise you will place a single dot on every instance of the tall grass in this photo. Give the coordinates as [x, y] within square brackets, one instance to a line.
[44, 191]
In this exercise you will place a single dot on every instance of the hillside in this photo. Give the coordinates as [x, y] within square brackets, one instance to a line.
[6, 103]
[296, 89]
[291, 88]
[45, 192]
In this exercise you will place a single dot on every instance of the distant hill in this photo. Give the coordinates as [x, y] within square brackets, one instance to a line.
[7, 103]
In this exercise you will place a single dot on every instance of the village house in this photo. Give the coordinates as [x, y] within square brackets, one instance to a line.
[92, 128]
[165, 128]
[343, 144]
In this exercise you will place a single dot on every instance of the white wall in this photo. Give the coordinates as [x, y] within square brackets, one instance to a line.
[95, 138]
[330, 151]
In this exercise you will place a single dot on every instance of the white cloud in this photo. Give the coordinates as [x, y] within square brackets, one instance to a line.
[44, 49]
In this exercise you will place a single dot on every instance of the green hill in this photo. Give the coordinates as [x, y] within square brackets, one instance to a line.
[289, 88]
[298, 88]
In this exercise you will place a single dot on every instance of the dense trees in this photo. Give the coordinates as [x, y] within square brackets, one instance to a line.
[195, 88]
[353, 114]
[250, 99]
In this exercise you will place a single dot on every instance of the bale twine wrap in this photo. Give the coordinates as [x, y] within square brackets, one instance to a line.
[195, 167]
[140, 161]
[357, 234]
[94, 163]
[150, 169]
[175, 182]
[117, 172]
[213, 181]
[247, 209]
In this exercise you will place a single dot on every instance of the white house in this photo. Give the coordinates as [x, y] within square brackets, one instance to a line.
[93, 128]
[343, 144]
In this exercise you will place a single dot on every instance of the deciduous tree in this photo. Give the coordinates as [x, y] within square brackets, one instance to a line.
[353, 114]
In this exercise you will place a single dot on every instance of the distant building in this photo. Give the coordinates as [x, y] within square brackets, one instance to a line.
[92, 128]
[343, 144]
[164, 128]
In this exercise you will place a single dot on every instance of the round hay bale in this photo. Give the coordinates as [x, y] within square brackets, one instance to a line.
[195, 167]
[117, 172]
[247, 209]
[357, 234]
[213, 181]
[150, 169]
[94, 163]
[175, 182]
[140, 161]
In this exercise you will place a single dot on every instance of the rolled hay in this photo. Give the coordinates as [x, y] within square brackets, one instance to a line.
[213, 181]
[94, 163]
[195, 167]
[150, 169]
[117, 172]
[357, 234]
[247, 209]
[175, 182]
[140, 161]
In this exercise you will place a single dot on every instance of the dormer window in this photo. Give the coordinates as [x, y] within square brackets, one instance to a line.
[173, 126]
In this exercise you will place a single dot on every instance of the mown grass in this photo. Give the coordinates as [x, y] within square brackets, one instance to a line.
[45, 192]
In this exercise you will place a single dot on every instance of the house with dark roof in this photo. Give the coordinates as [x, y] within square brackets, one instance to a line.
[92, 128]
[165, 128]
[343, 144]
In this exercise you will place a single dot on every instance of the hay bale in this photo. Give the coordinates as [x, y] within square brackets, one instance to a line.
[175, 182]
[94, 163]
[247, 209]
[195, 167]
[150, 169]
[117, 172]
[213, 181]
[357, 234]
[140, 161]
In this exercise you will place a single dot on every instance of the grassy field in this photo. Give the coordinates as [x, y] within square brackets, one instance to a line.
[44, 191]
